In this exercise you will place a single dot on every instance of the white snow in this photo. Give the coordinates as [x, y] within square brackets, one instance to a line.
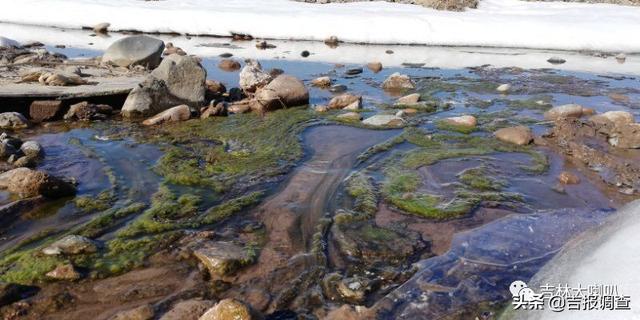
[496, 23]
[440, 57]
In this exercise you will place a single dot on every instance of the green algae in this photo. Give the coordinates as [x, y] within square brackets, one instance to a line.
[360, 187]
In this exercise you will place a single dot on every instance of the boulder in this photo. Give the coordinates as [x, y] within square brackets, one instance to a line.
[30, 183]
[175, 114]
[409, 99]
[322, 82]
[564, 111]
[375, 67]
[252, 77]
[31, 149]
[13, 120]
[384, 120]
[170, 49]
[614, 118]
[229, 65]
[45, 110]
[228, 309]
[178, 80]
[466, 121]
[86, 111]
[64, 272]
[398, 81]
[134, 50]
[519, 135]
[144, 312]
[222, 258]
[69, 245]
[214, 89]
[346, 100]
[625, 136]
[218, 110]
[188, 310]
[282, 92]
[504, 88]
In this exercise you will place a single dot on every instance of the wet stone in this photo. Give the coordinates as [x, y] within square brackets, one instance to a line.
[222, 258]
[45, 110]
[353, 71]
[64, 272]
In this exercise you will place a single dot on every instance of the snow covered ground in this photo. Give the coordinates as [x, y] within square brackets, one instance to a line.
[440, 57]
[496, 23]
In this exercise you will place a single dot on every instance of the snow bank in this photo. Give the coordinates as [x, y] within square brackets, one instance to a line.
[440, 57]
[496, 23]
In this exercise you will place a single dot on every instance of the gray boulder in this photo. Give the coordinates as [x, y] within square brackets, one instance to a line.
[178, 80]
[282, 92]
[384, 120]
[252, 77]
[31, 149]
[71, 244]
[13, 120]
[134, 50]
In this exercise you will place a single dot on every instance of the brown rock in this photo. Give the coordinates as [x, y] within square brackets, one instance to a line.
[398, 81]
[566, 177]
[564, 111]
[214, 89]
[519, 135]
[86, 111]
[321, 108]
[350, 116]
[228, 309]
[322, 82]
[45, 110]
[229, 65]
[410, 111]
[257, 299]
[222, 258]
[219, 110]
[144, 312]
[463, 121]
[375, 66]
[239, 107]
[64, 272]
[282, 92]
[188, 310]
[29, 183]
[409, 99]
[175, 114]
[346, 100]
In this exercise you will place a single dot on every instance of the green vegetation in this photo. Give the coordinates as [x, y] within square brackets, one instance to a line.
[447, 126]
[107, 220]
[361, 189]
[479, 178]
[102, 201]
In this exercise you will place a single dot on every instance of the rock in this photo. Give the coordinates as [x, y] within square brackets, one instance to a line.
[615, 118]
[219, 110]
[23, 162]
[375, 66]
[410, 111]
[252, 77]
[101, 27]
[175, 114]
[398, 81]
[188, 310]
[178, 80]
[239, 107]
[71, 244]
[171, 49]
[305, 53]
[346, 100]
[564, 111]
[229, 65]
[262, 45]
[353, 71]
[566, 177]
[503, 88]
[144, 312]
[466, 121]
[519, 135]
[13, 120]
[228, 309]
[353, 290]
[257, 299]
[401, 114]
[45, 110]
[621, 57]
[625, 136]
[86, 111]
[409, 99]
[61, 79]
[384, 120]
[321, 82]
[214, 89]
[30, 183]
[7, 150]
[31, 149]
[320, 108]
[8, 43]
[134, 50]
[350, 116]
[332, 41]
[338, 88]
[222, 258]
[282, 92]
[556, 60]
[64, 272]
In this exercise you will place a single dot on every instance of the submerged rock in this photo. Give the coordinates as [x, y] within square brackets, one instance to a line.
[71, 244]
[222, 258]
[282, 92]
[134, 50]
[229, 65]
[253, 77]
[175, 114]
[228, 309]
[178, 80]
[188, 310]
[566, 177]
[384, 120]
[86, 111]
[398, 81]
[144, 312]
[13, 120]
[519, 135]
[349, 101]
[29, 183]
